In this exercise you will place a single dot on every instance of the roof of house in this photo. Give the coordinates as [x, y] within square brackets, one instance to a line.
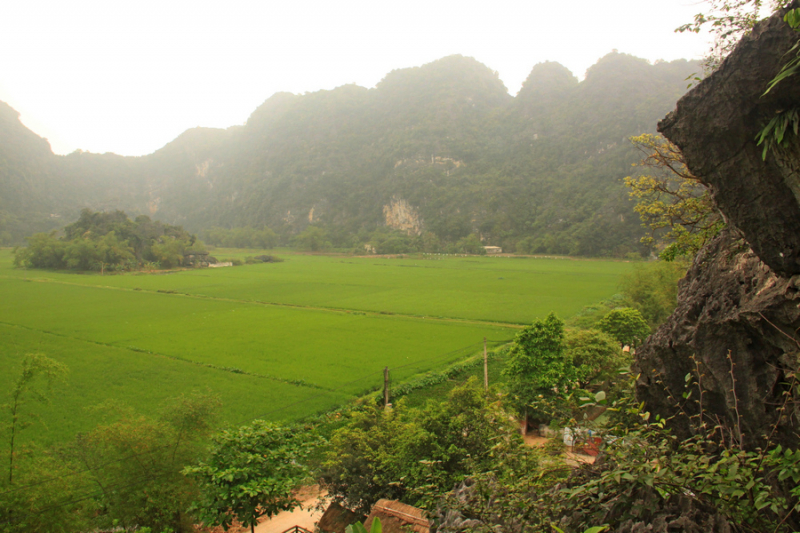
[336, 519]
[398, 517]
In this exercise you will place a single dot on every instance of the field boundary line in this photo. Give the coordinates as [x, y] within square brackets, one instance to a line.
[342, 310]
[297, 383]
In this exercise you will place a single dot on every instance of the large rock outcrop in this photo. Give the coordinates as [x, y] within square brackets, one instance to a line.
[730, 304]
[715, 125]
[736, 326]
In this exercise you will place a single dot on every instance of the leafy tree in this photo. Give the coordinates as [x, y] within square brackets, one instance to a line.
[728, 21]
[112, 251]
[595, 355]
[37, 376]
[536, 365]
[266, 238]
[470, 244]
[313, 239]
[626, 325]
[168, 252]
[414, 455]
[48, 494]
[136, 463]
[251, 472]
[21, 506]
[672, 202]
[81, 254]
[652, 289]
[100, 240]
[393, 242]
[246, 237]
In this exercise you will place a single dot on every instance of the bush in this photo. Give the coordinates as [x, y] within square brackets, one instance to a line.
[415, 455]
[626, 325]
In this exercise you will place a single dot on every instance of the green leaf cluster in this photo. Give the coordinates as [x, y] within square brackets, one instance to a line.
[675, 207]
[415, 455]
[626, 325]
[250, 472]
[536, 365]
[100, 241]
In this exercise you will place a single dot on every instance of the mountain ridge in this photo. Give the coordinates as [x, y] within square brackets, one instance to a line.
[445, 140]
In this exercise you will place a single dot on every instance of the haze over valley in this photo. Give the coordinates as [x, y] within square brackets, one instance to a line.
[439, 150]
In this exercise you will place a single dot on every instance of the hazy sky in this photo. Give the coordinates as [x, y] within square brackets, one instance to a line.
[130, 76]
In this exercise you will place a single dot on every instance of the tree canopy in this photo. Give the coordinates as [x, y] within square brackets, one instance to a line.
[251, 472]
[108, 241]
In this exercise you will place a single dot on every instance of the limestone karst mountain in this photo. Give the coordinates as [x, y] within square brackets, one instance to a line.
[541, 171]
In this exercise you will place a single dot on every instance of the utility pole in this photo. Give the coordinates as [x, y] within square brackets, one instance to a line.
[485, 367]
[386, 386]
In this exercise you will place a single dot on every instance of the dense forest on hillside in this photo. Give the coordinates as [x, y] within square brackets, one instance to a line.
[439, 152]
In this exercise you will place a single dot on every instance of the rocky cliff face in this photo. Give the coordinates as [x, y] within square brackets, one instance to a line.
[734, 336]
[715, 125]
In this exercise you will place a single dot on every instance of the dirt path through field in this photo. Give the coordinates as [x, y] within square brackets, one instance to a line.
[306, 517]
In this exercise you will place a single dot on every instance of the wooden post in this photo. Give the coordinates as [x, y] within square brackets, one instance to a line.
[485, 367]
[386, 386]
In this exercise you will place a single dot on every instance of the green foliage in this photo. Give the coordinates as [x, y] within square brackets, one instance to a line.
[536, 364]
[313, 239]
[256, 367]
[394, 242]
[470, 244]
[590, 315]
[358, 527]
[652, 289]
[673, 204]
[251, 472]
[648, 473]
[136, 462]
[728, 21]
[414, 455]
[21, 509]
[780, 127]
[48, 494]
[646, 477]
[246, 237]
[36, 377]
[505, 498]
[627, 326]
[595, 356]
[97, 241]
[784, 124]
[446, 138]
[432, 378]
[790, 68]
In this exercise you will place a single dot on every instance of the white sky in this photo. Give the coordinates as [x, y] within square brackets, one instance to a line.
[129, 76]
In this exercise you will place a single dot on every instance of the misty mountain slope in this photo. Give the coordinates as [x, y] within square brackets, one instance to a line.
[440, 148]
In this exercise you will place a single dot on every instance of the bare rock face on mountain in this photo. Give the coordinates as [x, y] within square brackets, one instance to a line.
[733, 334]
[736, 319]
[716, 124]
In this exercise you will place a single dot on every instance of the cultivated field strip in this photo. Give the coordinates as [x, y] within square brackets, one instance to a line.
[115, 377]
[278, 341]
[499, 290]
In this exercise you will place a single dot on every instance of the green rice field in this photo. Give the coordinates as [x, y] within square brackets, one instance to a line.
[278, 341]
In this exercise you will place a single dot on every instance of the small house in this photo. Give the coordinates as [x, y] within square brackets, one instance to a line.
[398, 517]
[196, 259]
[336, 519]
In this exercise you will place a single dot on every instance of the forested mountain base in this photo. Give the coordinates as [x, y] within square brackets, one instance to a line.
[438, 152]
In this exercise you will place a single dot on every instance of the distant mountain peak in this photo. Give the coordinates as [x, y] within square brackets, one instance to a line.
[547, 78]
